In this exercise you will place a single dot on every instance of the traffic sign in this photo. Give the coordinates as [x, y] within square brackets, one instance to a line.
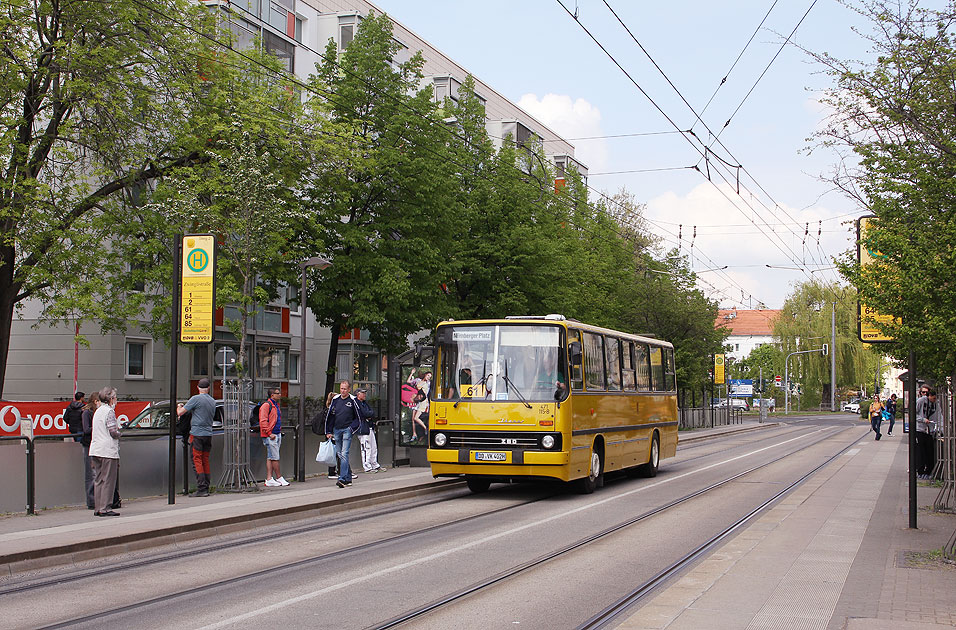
[778, 380]
[198, 303]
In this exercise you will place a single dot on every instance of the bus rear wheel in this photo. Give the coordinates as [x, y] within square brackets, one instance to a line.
[478, 485]
[650, 468]
[595, 478]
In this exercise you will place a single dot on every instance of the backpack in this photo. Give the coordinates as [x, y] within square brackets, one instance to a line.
[184, 424]
[254, 417]
[318, 423]
[409, 394]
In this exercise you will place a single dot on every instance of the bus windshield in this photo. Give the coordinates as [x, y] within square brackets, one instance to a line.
[495, 362]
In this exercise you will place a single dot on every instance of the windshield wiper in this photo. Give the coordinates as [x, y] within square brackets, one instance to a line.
[515, 388]
[478, 384]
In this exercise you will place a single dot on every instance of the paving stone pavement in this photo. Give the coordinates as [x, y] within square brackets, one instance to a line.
[836, 554]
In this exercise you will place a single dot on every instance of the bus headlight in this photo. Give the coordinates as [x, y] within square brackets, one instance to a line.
[547, 441]
[441, 439]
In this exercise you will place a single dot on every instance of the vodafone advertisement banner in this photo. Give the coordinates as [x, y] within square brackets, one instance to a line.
[46, 418]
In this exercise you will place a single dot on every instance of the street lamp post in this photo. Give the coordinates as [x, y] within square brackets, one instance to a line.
[321, 263]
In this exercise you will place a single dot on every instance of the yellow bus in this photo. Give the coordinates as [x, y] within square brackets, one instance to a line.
[545, 397]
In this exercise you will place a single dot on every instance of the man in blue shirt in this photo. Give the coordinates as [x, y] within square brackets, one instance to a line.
[203, 408]
[341, 421]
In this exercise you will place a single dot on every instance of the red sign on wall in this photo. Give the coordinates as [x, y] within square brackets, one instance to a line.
[47, 417]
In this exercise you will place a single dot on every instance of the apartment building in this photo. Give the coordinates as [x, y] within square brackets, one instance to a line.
[47, 363]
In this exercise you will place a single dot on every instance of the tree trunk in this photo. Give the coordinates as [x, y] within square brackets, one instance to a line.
[6, 324]
[8, 297]
[333, 355]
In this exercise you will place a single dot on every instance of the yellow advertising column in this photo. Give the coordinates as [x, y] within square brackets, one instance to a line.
[198, 303]
[718, 369]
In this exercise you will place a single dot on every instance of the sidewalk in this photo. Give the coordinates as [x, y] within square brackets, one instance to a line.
[835, 554]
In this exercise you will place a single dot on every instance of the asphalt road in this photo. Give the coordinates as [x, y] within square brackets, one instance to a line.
[361, 569]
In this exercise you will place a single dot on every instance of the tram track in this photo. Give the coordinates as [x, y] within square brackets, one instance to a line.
[271, 533]
[636, 595]
[444, 601]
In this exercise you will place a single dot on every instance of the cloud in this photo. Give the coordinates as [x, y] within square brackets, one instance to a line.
[571, 119]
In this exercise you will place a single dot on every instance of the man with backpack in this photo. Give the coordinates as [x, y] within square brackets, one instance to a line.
[203, 408]
[270, 428]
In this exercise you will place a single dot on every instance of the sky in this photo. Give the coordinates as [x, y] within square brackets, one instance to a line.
[749, 246]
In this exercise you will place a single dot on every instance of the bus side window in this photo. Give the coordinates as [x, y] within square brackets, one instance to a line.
[657, 369]
[594, 362]
[641, 356]
[670, 370]
[575, 355]
[627, 366]
[612, 349]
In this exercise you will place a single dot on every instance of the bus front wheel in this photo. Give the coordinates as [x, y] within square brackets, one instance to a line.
[477, 486]
[595, 477]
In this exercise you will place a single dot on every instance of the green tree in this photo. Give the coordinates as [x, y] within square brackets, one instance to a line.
[805, 324]
[665, 302]
[896, 113]
[768, 358]
[88, 100]
[241, 197]
[380, 205]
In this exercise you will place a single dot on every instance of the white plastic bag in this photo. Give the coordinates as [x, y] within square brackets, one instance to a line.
[326, 454]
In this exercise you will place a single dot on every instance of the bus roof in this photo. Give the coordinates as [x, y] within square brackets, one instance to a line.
[560, 320]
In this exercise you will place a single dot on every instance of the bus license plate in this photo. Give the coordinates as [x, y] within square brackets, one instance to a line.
[490, 457]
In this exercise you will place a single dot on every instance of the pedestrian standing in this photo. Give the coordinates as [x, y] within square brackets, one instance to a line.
[333, 470]
[73, 416]
[366, 434]
[104, 452]
[926, 417]
[270, 429]
[876, 415]
[203, 408]
[341, 421]
[87, 427]
[891, 412]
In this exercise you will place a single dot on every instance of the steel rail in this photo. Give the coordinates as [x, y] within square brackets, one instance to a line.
[540, 560]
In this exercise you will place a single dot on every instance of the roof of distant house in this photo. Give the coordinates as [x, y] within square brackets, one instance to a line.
[743, 322]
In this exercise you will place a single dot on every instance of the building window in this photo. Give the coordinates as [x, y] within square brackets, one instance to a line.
[441, 91]
[294, 367]
[139, 358]
[243, 34]
[271, 362]
[282, 49]
[252, 6]
[200, 361]
[346, 35]
[366, 367]
[269, 318]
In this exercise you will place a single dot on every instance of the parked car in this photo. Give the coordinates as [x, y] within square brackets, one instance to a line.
[733, 403]
[156, 416]
[852, 407]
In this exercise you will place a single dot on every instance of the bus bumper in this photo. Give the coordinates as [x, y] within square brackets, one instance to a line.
[463, 459]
